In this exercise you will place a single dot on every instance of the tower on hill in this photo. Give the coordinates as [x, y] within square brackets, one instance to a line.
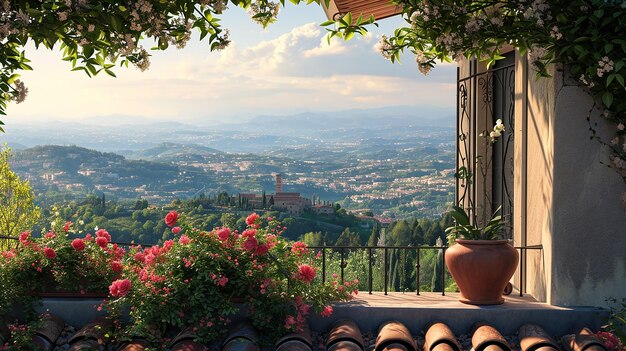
[279, 183]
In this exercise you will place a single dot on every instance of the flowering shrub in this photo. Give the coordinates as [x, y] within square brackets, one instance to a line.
[616, 326]
[610, 341]
[54, 263]
[197, 280]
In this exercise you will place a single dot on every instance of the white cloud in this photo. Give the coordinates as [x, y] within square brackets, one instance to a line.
[291, 72]
[335, 47]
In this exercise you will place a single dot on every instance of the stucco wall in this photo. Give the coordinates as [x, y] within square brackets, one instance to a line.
[535, 144]
[589, 219]
[573, 201]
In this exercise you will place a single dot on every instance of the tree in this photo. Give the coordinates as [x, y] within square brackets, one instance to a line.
[17, 208]
[437, 281]
[228, 220]
[348, 238]
[373, 239]
[264, 200]
[313, 239]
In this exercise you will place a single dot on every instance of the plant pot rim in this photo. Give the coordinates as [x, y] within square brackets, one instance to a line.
[482, 242]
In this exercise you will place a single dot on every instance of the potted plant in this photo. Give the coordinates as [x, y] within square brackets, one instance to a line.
[480, 262]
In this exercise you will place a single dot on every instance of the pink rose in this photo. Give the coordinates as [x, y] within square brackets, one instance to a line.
[67, 225]
[250, 244]
[184, 240]
[261, 250]
[248, 232]
[78, 244]
[24, 237]
[102, 242]
[223, 234]
[171, 218]
[223, 281]
[251, 219]
[117, 266]
[119, 288]
[176, 230]
[299, 248]
[140, 257]
[306, 273]
[50, 253]
[328, 310]
[103, 234]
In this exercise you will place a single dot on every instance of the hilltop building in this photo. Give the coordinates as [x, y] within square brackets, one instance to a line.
[289, 202]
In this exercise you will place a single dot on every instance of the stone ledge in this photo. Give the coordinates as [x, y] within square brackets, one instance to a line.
[417, 312]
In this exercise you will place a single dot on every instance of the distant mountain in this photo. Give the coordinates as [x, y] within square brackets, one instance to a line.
[167, 152]
[74, 170]
[373, 121]
[16, 146]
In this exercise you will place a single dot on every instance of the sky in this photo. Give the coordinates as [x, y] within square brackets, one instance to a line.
[285, 69]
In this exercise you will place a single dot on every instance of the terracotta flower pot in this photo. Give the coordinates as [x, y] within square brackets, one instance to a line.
[481, 269]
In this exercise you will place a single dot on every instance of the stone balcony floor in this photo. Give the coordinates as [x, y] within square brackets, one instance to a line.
[417, 311]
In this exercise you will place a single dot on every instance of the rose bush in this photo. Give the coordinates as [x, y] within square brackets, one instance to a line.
[199, 280]
[57, 263]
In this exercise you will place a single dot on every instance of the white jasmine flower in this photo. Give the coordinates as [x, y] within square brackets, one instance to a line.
[615, 141]
[424, 68]
[555, 33]
[21, 91]
[499, 127]
[384, 47]
[620, 126]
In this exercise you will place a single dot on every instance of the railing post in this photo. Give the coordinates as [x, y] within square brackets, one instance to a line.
[369, 249]
[342, 264]
[324, 264]
[417, 271]
[386, 277]
[443, 271]
[521, 271]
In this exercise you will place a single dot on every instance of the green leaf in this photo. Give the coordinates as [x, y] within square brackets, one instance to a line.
[88, 51]
[607, 99]
[12, 78]
[609, 79]
[620, 79]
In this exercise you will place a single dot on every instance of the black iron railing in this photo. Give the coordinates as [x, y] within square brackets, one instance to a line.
[345, 251]
[374, 260]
